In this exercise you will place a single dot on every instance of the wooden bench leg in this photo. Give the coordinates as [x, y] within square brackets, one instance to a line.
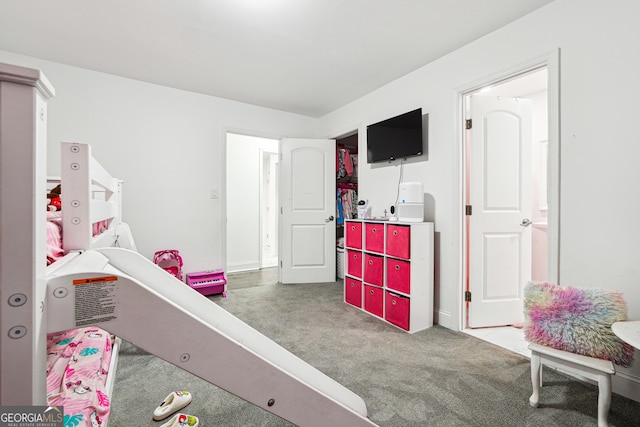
[577, 365]
[604, 399]
[536, 382]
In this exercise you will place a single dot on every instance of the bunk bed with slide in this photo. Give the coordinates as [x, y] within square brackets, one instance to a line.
[99, 288]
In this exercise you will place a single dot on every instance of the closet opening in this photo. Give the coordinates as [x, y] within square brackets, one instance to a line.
[346, 190]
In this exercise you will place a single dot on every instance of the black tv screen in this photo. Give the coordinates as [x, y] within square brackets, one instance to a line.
[395, 138]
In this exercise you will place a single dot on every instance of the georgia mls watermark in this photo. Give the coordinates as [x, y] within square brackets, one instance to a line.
[31, 416]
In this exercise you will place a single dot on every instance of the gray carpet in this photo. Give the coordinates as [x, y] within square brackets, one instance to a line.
[436, 377]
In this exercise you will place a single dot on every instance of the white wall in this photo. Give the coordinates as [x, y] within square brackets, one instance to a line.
[600, 147]
[597, 146]
[244, 158]
[167, 145]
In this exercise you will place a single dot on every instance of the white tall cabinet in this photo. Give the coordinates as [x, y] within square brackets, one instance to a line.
[389, 271]
[23, 168]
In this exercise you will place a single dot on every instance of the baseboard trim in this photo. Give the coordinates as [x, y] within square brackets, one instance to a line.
[444, 319]
[626, 385]
[242, 266]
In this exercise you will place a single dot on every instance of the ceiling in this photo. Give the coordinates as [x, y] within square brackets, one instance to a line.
[303, 56]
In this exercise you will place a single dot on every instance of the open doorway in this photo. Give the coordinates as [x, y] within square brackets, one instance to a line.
[252, 200]
[269, 208]
[507, 130]
[527, 176]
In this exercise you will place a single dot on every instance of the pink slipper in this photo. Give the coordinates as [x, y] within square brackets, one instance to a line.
[172, 403]
[182, 420]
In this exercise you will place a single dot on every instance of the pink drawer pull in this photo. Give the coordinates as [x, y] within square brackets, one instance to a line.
[353, 227]
[370, 262]
[397, 267]
[373, 230]
[395, 232]
[372, 292]
[355, 256]
[352, 284]
[393, 302]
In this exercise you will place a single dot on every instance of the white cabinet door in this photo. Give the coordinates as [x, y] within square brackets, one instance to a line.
[307, 220]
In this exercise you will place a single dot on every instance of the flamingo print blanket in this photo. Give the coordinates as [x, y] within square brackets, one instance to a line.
[77, 366]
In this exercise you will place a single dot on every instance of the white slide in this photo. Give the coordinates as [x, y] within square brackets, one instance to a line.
[126, 294]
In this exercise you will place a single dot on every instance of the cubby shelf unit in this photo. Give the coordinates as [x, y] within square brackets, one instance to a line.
[389, 271]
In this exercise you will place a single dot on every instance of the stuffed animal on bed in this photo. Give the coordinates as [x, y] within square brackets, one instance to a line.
[53, 199]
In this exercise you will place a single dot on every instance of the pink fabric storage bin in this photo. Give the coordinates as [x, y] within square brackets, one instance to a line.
[354, 263]
[353, 292]
[208, 282]
[396, 308]
[374, 237]
[399, 275]
[373, 269]
[398, 241]
[353, 234]
[373, 300]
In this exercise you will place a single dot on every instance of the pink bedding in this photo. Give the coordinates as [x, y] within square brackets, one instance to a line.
[55, 249]
[77, 366]
[54, 236]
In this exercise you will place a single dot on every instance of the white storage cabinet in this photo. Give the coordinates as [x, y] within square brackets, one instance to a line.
[389, 271]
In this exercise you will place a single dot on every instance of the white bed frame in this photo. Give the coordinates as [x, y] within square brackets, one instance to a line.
[90, 195]
[143, 303]
[23, 162]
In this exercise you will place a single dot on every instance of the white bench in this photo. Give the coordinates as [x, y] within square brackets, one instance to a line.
[580, 366]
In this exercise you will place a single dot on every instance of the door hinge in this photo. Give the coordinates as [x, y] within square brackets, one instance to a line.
[467, 296]
[468, 210]
[468, 124]
[280, 264]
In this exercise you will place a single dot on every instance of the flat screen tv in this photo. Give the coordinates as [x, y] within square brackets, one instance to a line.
[395, 138]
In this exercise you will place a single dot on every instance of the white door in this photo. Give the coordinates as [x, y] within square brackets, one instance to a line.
[500, 195]
[307, 223]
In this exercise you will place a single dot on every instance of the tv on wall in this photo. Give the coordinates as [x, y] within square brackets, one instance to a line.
[395, 138]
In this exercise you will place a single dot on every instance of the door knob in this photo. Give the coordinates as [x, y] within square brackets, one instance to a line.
[329, 219]
[525, 222]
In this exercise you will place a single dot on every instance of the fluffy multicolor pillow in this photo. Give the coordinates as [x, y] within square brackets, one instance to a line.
[576, 320]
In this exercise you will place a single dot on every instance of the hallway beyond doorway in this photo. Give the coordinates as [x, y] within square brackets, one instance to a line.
[249, 279]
